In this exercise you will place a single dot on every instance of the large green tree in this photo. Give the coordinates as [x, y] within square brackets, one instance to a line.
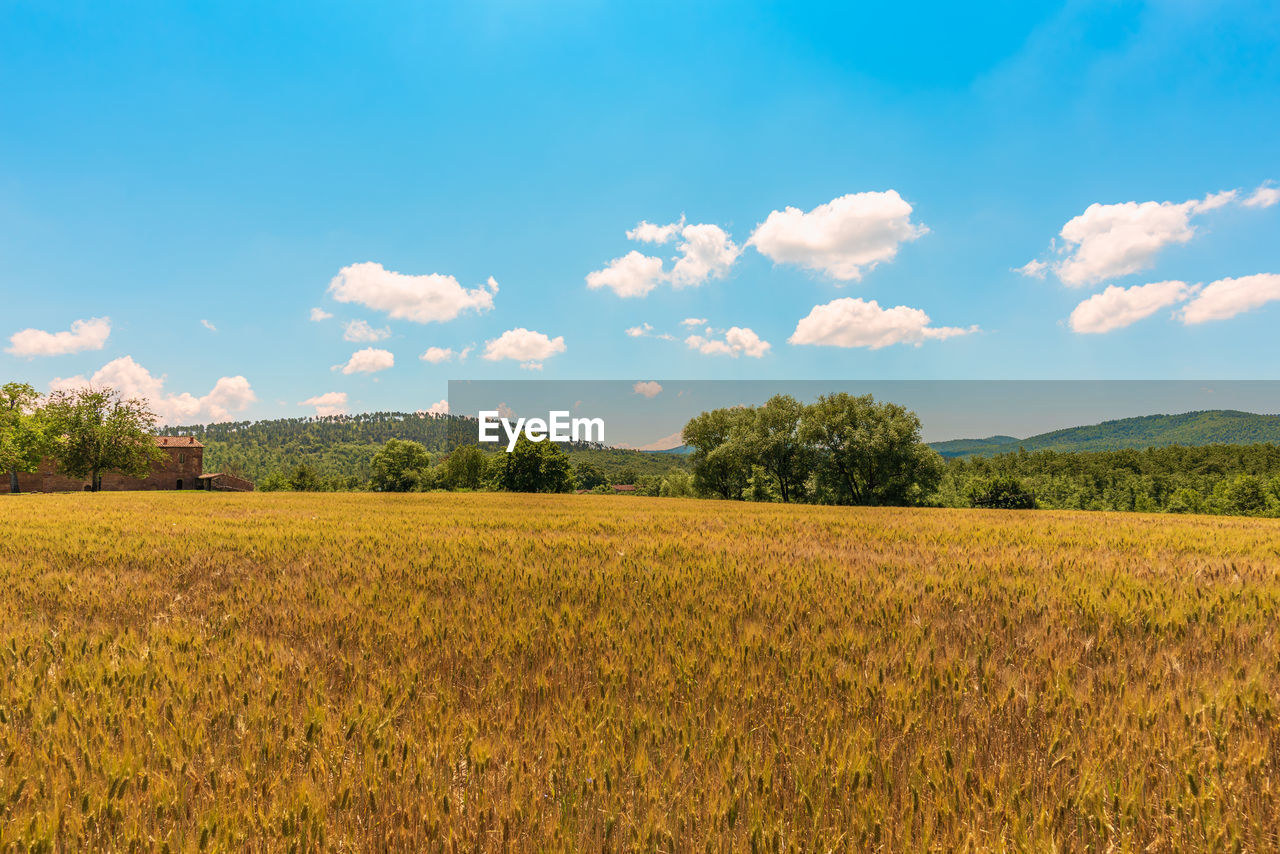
[721, 459]
[22, 434]
[401, 465]
[869, 452]
[775, 443]
[466, 467]
[535, 467]
[94, 431]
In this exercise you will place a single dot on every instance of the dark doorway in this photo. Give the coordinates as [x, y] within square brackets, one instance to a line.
[179, 484]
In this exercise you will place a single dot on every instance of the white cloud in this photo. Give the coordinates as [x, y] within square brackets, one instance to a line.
[229, 394]
[207, 325]
[422, 299]
[88, 334]
[1033, 269]
[329, 403]
[850, 322]
[844, 238]
[370, 360]
[436, 355]
[524, 346]
[645, 330]
[694, 321]
[706, 252]
[1263, 197]
[1228, 297]
[736, 341]
[1108, 241]
[319, 314]
[440, 407]
[1115, 240]
[632, 275]
[361, 331]
[132, 380]
[647, 232]
[666, 443]
[1118, 307]
[649, 389]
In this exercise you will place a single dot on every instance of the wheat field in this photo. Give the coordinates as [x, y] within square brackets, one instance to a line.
[488, 672]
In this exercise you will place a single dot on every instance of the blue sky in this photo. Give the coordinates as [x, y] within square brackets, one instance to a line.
[243, 164]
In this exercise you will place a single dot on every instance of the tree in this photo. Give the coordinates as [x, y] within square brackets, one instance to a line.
[303, 478]
[1246, 495]
[774, 442]
[1185, 500]
[721, 465]
[22, 435]
[98, 430]
[535, 467]
[588, 476]
[870, 453]
[400, 465]
[1002, 493]
[465, 468]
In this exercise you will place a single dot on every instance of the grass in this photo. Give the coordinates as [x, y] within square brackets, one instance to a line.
[540, 673]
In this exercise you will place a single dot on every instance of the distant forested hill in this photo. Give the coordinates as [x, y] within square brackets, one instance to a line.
[334, 445]
[1208, 427]
[342, 446]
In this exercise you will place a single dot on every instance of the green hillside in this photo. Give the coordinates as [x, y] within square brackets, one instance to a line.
[1208, 427]
[342, 446]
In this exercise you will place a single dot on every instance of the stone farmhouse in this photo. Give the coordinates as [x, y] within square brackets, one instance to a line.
[181, 468]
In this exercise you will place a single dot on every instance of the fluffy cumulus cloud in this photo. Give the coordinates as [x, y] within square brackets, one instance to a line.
[228, 395]
[1118, 307]
[1108, 241]
[694, 321]
[207, 325]
[1228, 297]
[440, 407]
[319, 314]
[844, 238]
[525, 346]
[704, 252]
[850, 322]
[329, 403]
[648, 388]
[632, 275]
[84, 335]
[436, 355]
[736, 341]
[422, 299]
[361, 331]
[370, 360]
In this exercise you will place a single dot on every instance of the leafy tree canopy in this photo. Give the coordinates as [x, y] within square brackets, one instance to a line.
[98, 430]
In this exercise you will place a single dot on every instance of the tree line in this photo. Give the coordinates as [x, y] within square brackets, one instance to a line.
[1213, 479]
[840, 449]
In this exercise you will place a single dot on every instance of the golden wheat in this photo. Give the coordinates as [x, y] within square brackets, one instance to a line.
[556, 673]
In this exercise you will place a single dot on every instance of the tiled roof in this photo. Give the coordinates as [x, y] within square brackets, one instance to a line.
[178, 442]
